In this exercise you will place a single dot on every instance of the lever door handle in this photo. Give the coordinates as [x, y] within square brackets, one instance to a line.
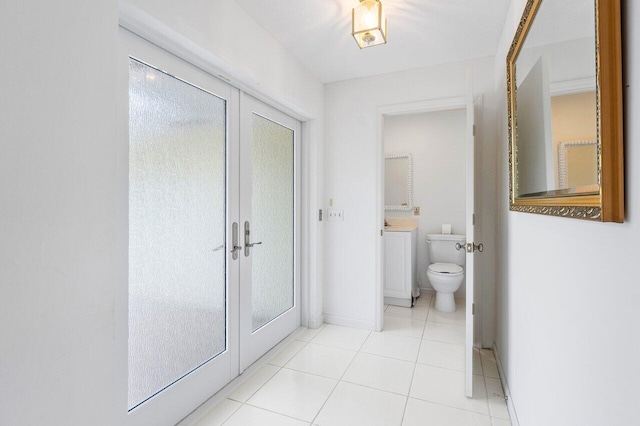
[252, 244]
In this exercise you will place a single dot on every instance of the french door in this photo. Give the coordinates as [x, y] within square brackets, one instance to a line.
[209, 234]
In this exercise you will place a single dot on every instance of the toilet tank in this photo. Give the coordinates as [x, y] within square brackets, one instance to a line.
[442, 248]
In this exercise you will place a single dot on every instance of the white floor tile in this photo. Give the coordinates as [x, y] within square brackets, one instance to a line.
[477, 363]
[392, 345]
[423, 413]
[447, 387]
[322, 360]
[495, 395]
[295, 394]
[456, 318]
[489, 365]
[387, 374]
[253, 416]
[416, 313]
[445, 355]
[220, 413]
[446, 333]
[351, 405]
[403, 326]
[255, 382]
[309, 333]
[500, 422]
[287, 353]
[341, 337]
[423, 300]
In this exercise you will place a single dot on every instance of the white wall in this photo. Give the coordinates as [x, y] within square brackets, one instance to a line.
[58, 186]
[57, 165]
[568, 289]
[351, 171]
[437, 143]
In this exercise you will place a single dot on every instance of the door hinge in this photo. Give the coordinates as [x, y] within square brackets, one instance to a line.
[320, 215]
[473, 219]
[474, 130]
[381, 232]
[473, 309]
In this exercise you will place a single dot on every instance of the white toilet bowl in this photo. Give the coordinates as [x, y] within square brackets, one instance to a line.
[445, 278]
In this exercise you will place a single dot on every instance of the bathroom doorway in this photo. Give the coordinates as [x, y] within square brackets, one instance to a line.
[438, 137]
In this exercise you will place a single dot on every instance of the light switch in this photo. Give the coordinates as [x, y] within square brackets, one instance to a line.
[416, 211]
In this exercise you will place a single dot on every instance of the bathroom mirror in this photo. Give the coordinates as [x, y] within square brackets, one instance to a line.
[564, 85]
[398, 182]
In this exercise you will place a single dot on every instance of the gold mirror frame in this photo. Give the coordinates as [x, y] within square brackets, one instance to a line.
[608, 204]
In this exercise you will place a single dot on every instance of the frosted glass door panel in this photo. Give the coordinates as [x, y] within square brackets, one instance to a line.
[177, 217]
[272, 204]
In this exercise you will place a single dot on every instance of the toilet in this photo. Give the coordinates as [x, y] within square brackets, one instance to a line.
[445, 271]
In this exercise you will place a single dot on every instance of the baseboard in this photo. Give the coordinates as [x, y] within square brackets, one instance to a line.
[316, 322]
[348, 322]
[505, 386]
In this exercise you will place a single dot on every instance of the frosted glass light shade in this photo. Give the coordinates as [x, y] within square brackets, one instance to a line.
[369, 25]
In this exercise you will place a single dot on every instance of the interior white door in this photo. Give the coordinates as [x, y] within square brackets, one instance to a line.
[470, 246]
[176, 305]
[269, 228]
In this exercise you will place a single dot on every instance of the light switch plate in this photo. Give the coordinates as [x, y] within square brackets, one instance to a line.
[416, 211]
[335, 215]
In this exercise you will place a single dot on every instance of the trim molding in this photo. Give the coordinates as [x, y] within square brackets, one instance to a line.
[348, 322]
[510, 404]
[316, 322]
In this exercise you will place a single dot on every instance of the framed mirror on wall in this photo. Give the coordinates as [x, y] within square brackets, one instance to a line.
[564, 91]
[398, 182]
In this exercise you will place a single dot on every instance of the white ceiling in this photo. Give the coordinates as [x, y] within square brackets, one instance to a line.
[421, 33]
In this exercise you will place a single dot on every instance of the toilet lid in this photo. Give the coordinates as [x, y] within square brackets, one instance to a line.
[445, 268]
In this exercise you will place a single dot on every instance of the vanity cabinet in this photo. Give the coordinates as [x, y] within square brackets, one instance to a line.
[400, 266]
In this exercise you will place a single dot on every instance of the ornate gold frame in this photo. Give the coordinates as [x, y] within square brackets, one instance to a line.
[608, 204]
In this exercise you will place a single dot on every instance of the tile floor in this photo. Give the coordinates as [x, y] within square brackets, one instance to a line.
[410, 374]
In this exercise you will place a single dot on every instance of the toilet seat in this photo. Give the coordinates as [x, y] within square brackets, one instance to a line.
[449, 269]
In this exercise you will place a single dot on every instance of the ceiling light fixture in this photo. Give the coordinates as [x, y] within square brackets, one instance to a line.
[369, 25]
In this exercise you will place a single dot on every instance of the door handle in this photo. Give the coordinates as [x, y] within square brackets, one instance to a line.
[247, 239]
[470, 247]
[234, 237]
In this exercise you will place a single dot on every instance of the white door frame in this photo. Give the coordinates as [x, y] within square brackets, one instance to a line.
[436, 105]
[146, 26]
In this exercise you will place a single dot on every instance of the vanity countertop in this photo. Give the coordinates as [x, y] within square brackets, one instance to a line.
[401, 224]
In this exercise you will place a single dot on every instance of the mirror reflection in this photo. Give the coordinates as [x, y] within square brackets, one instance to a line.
[398, 182]
[556, 104]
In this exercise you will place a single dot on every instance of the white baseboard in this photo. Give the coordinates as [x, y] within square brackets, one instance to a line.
[316, 322]
[505, 386]
[349, 322]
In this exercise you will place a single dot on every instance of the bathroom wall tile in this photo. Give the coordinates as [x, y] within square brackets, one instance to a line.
[416, 313]
[387, 374]
[219, 413]
[447, 387]
[446, 333]
[489, 365]
[358, 405]
[294, 394]
[287, 353]
[444, 355]
[255, 382]
[392, 345]
[253, 416]
[341, 337]
[495, 396]
[421, 413]
[403, 326]
[322, 360]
